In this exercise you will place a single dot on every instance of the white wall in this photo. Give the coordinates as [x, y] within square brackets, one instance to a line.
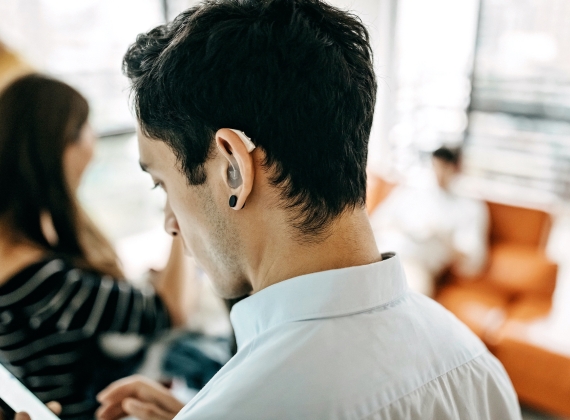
[379, 18]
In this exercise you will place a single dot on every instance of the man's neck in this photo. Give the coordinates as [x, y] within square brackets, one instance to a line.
[350, 243]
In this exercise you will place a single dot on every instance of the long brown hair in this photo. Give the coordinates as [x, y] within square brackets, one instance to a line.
[39, 118]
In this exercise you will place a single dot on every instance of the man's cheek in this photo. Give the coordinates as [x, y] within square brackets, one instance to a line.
[188, 242]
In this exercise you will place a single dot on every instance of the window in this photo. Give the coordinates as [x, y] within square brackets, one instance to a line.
[82, 43]
[518, 144]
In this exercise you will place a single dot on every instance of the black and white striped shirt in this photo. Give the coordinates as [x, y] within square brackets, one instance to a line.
[51, 316]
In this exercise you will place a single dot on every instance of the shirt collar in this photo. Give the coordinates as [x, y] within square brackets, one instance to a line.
[319, 295]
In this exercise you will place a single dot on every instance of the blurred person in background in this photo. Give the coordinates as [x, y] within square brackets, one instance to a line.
[59, 276]
[434, 229]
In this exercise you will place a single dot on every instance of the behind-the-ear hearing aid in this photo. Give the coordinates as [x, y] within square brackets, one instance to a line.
[245, 139]
[234, 175]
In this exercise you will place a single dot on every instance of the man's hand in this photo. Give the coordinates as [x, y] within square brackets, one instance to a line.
[139, 397]
[55, 407]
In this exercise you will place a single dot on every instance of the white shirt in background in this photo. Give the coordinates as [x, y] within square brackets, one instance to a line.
[430, 226]
[353, 343]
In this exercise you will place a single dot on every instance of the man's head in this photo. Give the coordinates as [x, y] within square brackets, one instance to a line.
[446, 165]
[296, 77]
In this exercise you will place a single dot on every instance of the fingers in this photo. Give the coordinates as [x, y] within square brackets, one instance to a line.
[111, 398]
[136, 389]
[55, 407]
[140, 388]
[146, 411]
[110, 412]
[131, 386]
[159, 395]
[120, 389]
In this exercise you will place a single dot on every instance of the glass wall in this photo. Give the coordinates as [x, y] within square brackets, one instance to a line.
[82, 43]
[518, 144]
[493, 75]
[431, 78]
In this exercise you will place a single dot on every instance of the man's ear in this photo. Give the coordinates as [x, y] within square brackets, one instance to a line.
[239, 172]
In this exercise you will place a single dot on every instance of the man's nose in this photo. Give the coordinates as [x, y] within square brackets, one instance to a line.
[170, 223]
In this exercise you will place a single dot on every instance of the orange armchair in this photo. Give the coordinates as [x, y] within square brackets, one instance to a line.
[517, 270]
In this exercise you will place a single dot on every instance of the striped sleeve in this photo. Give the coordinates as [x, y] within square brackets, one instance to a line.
[102, 304]
[52, 298]
[48, 314]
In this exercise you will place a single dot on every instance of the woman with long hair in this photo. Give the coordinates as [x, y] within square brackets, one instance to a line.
[59, 276]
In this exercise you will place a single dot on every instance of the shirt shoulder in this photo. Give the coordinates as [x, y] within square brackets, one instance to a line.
[360, 366]
[477, 390]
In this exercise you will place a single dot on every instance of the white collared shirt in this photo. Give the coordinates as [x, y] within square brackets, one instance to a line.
[353, 343]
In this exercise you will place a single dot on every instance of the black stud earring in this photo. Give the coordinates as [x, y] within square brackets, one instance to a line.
[233, 201]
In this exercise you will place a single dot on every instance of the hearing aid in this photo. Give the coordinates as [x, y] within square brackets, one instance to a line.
[234, 174]
[245, 139]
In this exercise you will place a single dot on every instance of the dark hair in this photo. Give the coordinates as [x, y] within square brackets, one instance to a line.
[449, 155]
[39, 118]
[295, 75]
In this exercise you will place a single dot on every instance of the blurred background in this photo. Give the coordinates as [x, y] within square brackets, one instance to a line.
[491, 76]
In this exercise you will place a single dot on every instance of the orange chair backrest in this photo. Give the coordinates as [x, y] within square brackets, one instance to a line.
[520, 225]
